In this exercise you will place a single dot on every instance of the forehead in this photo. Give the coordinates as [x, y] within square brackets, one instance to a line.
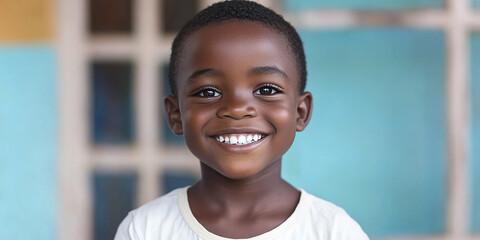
[236, 45]
[235, 29]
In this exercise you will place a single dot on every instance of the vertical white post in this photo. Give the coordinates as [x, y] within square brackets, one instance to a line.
[147, 98]
[74, 220]
[457, 91]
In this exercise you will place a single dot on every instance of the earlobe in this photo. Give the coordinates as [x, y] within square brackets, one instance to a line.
[304, 110]
[172, 111]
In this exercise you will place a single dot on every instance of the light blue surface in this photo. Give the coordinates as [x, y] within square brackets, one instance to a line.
[475, 136]
[476, 3]
[28, 143]
[376, 143]
[296, 5]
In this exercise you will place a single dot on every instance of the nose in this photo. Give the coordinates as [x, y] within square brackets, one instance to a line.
[237, 107]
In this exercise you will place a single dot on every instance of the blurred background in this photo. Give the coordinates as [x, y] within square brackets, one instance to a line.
[394, 139]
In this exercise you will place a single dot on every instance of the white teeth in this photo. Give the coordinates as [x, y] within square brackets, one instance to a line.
[239, 139]
[242, 139]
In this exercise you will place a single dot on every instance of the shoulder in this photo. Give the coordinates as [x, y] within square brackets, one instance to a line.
[332, 219]
[163, 205]
[322, 208]
[151, 216]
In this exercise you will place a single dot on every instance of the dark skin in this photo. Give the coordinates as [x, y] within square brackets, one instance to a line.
[239, 78]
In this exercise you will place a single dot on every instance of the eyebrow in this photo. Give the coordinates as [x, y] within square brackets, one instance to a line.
[268, 70]
[206, 71]
[254, 71]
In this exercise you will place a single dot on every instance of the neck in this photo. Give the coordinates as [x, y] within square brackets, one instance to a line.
[239, 194]
[235, 207]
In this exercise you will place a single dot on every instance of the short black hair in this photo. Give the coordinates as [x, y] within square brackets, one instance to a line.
[240, 10]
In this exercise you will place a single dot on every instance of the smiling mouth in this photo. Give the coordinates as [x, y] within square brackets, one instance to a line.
[239, 139]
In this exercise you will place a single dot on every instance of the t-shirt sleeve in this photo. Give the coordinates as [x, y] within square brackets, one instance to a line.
[345, 228]
[126, 230]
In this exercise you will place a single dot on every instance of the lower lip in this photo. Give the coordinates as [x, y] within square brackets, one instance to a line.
[239, 148]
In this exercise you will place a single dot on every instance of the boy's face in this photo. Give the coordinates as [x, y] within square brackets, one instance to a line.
[238, 80]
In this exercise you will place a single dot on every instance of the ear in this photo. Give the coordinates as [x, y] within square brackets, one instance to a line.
[172, 111]
[304, 110]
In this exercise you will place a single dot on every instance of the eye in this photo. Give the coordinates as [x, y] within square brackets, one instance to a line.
[269, 89]
[207, 93]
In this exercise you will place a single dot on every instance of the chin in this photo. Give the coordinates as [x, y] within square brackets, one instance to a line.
[238, 173]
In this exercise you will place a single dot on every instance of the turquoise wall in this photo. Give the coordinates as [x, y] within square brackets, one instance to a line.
[295, 5]
[376, 144]
[475, 135]
[28, 143]
[476, 3]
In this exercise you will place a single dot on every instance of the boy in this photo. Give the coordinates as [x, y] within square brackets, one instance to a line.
[237, 75]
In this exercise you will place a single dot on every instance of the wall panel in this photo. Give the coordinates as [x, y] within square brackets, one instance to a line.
[28, 143]
[25, 21]
[376, 144]
[475, 133]
[294, 5]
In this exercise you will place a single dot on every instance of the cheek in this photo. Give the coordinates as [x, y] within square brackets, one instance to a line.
[194, 120]
[194, 116]
[283, 118]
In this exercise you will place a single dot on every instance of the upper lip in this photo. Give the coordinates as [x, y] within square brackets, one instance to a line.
[239, 131]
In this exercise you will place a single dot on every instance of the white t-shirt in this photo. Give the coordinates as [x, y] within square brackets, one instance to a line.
[170, 217]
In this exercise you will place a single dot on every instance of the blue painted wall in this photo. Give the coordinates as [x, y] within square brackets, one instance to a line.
[376, 143]
[475, 135]
[295, 5]
[476, 3]
[28, 143]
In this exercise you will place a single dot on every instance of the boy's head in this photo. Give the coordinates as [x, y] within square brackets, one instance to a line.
[239, 97]
[238, 10]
